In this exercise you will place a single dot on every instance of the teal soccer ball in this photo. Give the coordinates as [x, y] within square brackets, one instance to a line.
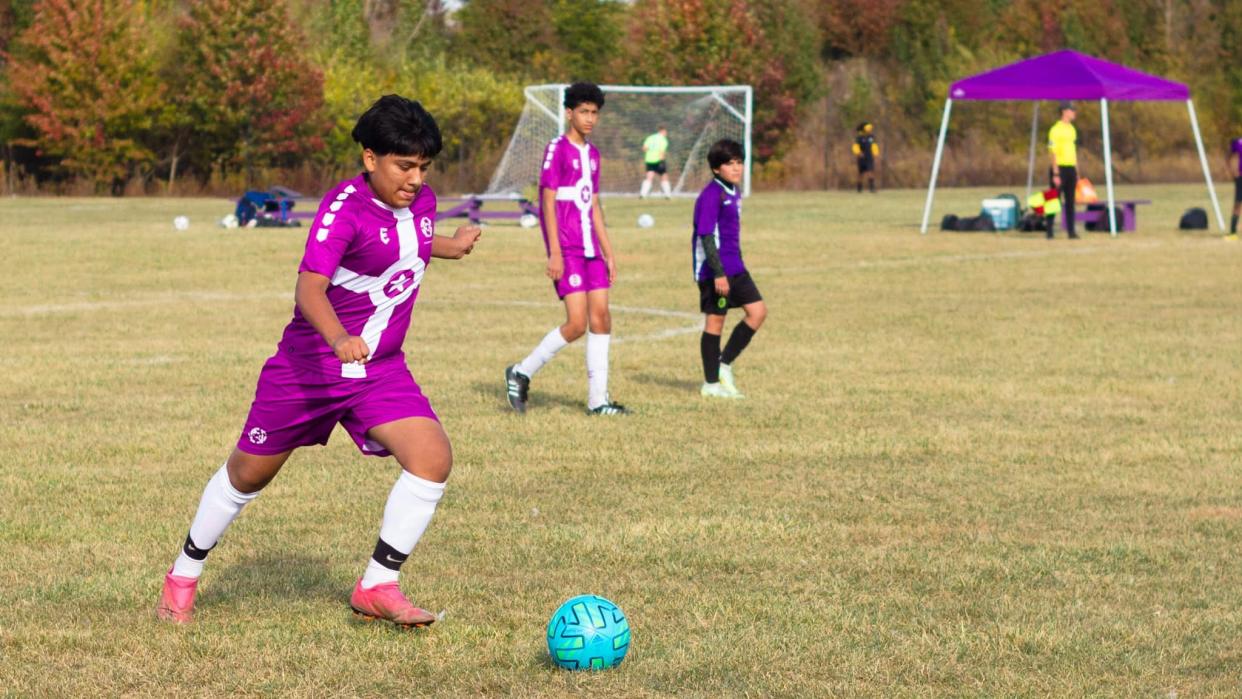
[588, 633]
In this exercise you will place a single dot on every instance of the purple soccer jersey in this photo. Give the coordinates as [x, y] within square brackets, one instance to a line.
[573, 173]
[718, 213]
[1236, 149]
[375, 257]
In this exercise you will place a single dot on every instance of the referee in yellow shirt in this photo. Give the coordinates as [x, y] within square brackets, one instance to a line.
[1063, 149]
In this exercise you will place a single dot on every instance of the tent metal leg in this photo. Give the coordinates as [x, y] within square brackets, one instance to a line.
[1108, 170]
[1207, 173]
[931, 186]
[1030, 162]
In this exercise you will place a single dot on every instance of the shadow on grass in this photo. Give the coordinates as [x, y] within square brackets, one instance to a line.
[538, 399]
[666, 382]
[275, 576]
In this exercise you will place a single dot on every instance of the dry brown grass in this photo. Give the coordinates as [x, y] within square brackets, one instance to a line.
[968, 465]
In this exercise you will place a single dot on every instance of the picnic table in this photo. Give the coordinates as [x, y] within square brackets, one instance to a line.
[1098, 214]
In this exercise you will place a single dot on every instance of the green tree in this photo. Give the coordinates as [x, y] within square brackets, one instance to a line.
[239, 75]
[86, 77]
[505, 36]
[699, 42]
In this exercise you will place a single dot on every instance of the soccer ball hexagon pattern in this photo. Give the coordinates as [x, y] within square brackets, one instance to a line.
[588, 632]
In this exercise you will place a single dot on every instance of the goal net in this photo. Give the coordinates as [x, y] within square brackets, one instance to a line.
[696, 117]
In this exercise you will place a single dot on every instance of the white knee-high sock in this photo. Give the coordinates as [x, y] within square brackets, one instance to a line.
[410, 506]
[646, 188]
[543, 353]
[664, 186]
[597, 369]
[219, 506]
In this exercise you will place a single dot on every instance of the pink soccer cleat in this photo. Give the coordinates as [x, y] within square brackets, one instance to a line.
[177, 599]
[386, 602]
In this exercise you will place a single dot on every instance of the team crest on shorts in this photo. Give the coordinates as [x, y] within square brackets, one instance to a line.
[722, 302]
[257, 435]
[575, 280]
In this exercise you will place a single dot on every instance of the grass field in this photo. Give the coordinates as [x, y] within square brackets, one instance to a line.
[968, 465]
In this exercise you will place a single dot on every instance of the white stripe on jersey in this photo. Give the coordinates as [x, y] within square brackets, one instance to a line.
[584, 207]
[374, 287]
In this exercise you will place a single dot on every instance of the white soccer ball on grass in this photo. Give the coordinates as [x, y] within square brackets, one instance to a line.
[646, 221]
[181, 223]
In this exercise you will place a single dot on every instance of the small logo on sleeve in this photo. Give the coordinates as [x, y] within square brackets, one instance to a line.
[426, 226]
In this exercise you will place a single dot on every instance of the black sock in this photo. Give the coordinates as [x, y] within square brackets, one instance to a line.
[193, 551]
[737, 342]
[388, 556]
[709, 347]
[1233, 224]
[860, 186]
[1052, 225]
[872, 183]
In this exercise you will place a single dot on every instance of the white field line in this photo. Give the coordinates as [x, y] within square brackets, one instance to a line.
[648, 337]
[152, 300]
[222, 297]
[948, 259]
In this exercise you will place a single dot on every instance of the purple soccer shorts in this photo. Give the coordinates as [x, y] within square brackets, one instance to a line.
[582, 274]
[296, 407]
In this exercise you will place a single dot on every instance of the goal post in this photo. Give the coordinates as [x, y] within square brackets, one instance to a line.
[696, 117]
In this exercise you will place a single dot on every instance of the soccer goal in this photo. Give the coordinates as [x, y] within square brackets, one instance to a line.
[696, 117]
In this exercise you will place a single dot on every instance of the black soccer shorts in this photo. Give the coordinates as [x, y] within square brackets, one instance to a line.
[742, 291]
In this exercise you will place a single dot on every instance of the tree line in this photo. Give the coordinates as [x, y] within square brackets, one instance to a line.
[143, 96]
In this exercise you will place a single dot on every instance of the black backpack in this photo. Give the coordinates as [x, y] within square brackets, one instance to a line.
[967, 224]
[1194, 220]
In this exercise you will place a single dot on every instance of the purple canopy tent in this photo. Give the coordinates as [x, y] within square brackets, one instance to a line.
[1069, 75]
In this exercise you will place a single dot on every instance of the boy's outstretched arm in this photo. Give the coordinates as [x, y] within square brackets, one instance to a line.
[311, 296]
[458, 246]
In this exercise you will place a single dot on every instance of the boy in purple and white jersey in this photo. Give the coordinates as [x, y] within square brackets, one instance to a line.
[580, 260]
[340, 361]
[1235, 151]
[724, 283]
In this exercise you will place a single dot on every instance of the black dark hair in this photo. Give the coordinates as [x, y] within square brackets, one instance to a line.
[723, 151]
[398, 125]
[581, 93]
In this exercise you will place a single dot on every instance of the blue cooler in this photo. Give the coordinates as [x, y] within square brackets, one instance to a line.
[1003, 212]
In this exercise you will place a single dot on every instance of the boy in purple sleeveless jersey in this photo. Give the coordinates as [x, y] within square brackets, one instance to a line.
[1235, 151]
[580, 260]
[724, 283]
[340, 361]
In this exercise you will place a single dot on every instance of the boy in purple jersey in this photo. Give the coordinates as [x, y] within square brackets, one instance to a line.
[340, 361]
[1235, 151]
[580, 260]
[723, 281]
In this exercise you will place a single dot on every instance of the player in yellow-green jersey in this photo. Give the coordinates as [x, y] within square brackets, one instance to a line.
[655, 148]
